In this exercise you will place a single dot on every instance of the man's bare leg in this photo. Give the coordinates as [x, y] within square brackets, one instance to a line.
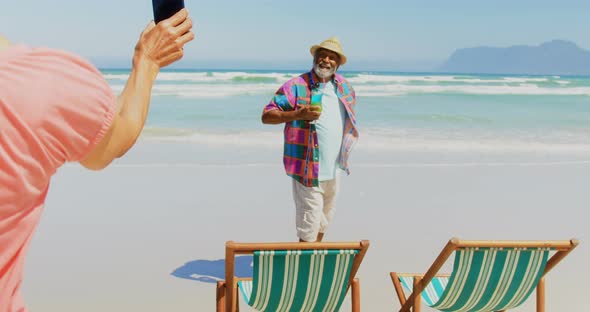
[319, 238]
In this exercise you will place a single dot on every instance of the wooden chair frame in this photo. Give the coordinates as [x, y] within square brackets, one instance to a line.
[562, 248]
[227, 291]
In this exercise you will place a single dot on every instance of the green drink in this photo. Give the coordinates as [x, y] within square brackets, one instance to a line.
[318, 104]
[316, 100]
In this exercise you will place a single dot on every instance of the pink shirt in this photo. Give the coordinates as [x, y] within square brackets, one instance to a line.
[54, 107]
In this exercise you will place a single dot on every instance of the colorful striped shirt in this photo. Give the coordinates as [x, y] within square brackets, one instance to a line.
[301, 154]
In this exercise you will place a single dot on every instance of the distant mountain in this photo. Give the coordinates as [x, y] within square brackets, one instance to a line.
[557, 57]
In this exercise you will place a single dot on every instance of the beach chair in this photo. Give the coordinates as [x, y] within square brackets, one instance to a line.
[487, 276]
[293, 276]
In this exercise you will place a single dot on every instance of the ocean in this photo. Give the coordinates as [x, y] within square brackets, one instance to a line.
[394, 110]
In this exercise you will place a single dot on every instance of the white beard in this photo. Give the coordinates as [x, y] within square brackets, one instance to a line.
[322, 72]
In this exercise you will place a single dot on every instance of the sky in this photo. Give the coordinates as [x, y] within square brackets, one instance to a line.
[408, 35]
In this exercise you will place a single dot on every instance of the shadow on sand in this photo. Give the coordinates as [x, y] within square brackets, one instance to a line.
[211, 271]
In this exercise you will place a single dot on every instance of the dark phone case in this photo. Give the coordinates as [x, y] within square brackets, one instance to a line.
[164, 9]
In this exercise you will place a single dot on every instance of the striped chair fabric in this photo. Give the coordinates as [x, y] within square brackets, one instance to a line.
[486, 279]
[298, 280]
[432, 292]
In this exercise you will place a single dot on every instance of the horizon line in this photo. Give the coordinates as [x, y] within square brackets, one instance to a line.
[434, 72]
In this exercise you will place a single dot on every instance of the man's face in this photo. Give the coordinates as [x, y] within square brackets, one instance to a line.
[325, 63]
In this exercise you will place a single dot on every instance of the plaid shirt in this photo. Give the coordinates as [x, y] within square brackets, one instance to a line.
[301, 155]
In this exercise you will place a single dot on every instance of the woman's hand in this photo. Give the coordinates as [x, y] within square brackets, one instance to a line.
[162, 44]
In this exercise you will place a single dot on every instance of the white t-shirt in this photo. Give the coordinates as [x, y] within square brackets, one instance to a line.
[329, 128]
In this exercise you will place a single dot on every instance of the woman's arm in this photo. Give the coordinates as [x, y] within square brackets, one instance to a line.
[158, 46]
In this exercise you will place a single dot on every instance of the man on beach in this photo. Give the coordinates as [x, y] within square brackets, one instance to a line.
[56, 107]
[317, 108]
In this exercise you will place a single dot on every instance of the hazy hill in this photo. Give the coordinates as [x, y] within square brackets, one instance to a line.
[557, 57]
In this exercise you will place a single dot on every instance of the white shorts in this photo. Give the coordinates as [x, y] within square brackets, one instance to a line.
[314, 208]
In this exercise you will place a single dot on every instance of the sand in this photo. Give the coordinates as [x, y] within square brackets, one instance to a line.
[110, 240]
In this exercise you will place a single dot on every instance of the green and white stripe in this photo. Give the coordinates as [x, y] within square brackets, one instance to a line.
[298, 280]
[432, 292]
[246, 289]
[489, 279]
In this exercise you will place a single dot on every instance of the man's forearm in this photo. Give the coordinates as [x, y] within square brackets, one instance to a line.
[274, 117]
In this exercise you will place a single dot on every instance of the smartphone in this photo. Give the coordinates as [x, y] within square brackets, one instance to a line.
[164, 9]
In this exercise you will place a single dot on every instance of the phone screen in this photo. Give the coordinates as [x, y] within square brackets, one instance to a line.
[164, 9]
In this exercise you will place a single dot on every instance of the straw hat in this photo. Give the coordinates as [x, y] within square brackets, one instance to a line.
[332, 44]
